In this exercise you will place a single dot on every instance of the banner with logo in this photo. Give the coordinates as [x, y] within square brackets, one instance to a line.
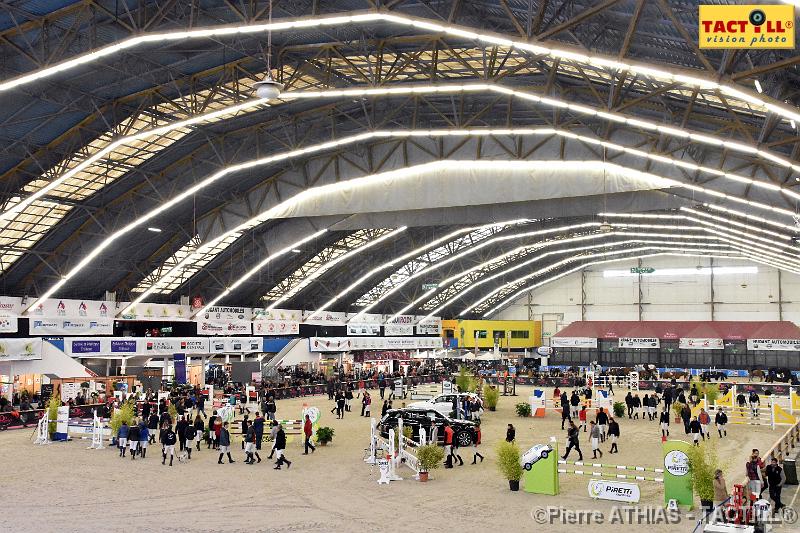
[616, 491]
[227, 314]
[9, 324]
[235, 344]
[701, 344]
[573, 342]
[179, 364]
[638, 342]
[65, 308]
[148, 312]
[677, 479]
[774, 345]
[746, 26]
[325, 318]
[342, 344]
[71, 326]
[276, 327]
[289, 315]
[10, 306]
[363, 329]
[169, 346]
[224, 327]
[399, 325]
[432, 326]
[20, 349]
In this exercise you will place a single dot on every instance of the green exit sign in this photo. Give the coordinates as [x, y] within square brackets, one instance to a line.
[642, 270]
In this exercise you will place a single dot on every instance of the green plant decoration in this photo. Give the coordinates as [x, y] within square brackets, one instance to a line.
[124, 413]
[703, 462]
[491, 395]
[523, 409]
[430, 457]
[619, 409]
[465, 380]
[52, 413]
[325, 435]
[508, 455]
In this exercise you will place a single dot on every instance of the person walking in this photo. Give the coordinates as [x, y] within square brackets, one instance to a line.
[572, 441]
[755, 404]
[564, 409]
[686, 416]
[225, 444]
[704, 420]
[212, 428]
[721, 421]
[245, 426]
[696, 430]
[250, 446]
[775, 479]
[273, 434]
[602, 423]
[384, 408]
[720, 488]
[582, 418]
[168, 440]
[308, 429]
[366, 404]
[201, 405]
[122, 438]
[189, 436]
[636, 402]
[340, 404]
[280, 446]
[258, 428]
[448, 445]
[613, 434]
[144, 438]
[629, 404]
[753, 470]
[270, 409]
[664, 419]
[152, 426]
[476, 440]
[594, 435]
[199, 428]
[511, 433]
[348, 399]
[180, 430]
[133, 438]
[574, 403]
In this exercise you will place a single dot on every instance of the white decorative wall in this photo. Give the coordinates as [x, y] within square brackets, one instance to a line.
[757, 296]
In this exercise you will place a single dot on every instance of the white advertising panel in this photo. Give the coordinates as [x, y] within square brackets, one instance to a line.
[10, 306]
[573, 342]
[224, 327]
[169, 346]
[288, 315]
[148, 311]
[71, 326]
[341, 344]
[398, 329]
[325, 318]
[9, 324]
[64, 308]
[638, 342]
[363, 329]
[617, 491]
[700, 344]
[227, 314]
[276, 327]
[235, 345]
[20, 349]
[432, 326]
[774, 345]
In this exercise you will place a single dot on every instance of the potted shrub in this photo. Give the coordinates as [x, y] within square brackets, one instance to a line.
[523, 409]
[123, 414]
[491, 395]
[619, 409]
[508, 461]
[430, 457]
[465, 381]
[52, 413]
[703, 462]
[324, 435]
[677, 407]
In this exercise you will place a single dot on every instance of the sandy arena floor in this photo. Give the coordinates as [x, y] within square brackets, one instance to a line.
[65, 487]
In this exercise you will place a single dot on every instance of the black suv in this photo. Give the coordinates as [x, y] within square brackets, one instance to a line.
[463, 430]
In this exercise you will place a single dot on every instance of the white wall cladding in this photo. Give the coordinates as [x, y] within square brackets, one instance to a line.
[735, 296]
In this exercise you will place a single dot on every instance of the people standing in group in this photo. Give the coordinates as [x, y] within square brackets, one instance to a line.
[776, 478]
[144, 438]
[122, 438]
[225, 443]
[613, 434]
[704, 419]
[168, 440]
[308, 429]
[280, 446]
[594, 435]
[476, 440]
[572, 441]
[652, 407]
[664, 420]
[696, 430]
[511, 433]
[667, 397]
[340, 404]
[721, 421]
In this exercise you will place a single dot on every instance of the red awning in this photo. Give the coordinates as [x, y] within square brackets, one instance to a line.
[673, 330]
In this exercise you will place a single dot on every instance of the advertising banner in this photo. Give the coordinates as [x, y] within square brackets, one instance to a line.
[325, 318]
[638, 342]
[148, 311]
[9, 324]
[573, 342]
[235, 345]
[227, 314]
[289, 315]
[64, 308]
[20, 349]
[363, 329]
[399, 325]
[276, 327]
[224, 327]
[432, 326]
[10, 306]
[700, 344]
[774, 345]
[677, 479]
[167, 346]
[179, 363]
[341, 344]
[616, 491]
[71, 326]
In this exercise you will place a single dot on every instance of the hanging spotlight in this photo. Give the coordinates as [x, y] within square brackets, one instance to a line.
[605, 227]
[269, 88]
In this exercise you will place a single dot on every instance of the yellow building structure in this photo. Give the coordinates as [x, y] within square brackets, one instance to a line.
[487, 333]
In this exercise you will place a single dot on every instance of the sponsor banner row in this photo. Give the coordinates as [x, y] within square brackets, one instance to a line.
[71, 326]
[639, 342]
[343, 344]
[774, 345]
[122, 346]
[20, 349]
[573, 342]
[701, 344]
[684, 343]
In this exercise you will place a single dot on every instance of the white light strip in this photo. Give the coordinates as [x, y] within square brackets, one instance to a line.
[761, 220]
[344, 257]
[598, 61]
[250, 273]
[407, 255]
[356, 182]
[585, 265]
[438, 89]
[679, 272]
